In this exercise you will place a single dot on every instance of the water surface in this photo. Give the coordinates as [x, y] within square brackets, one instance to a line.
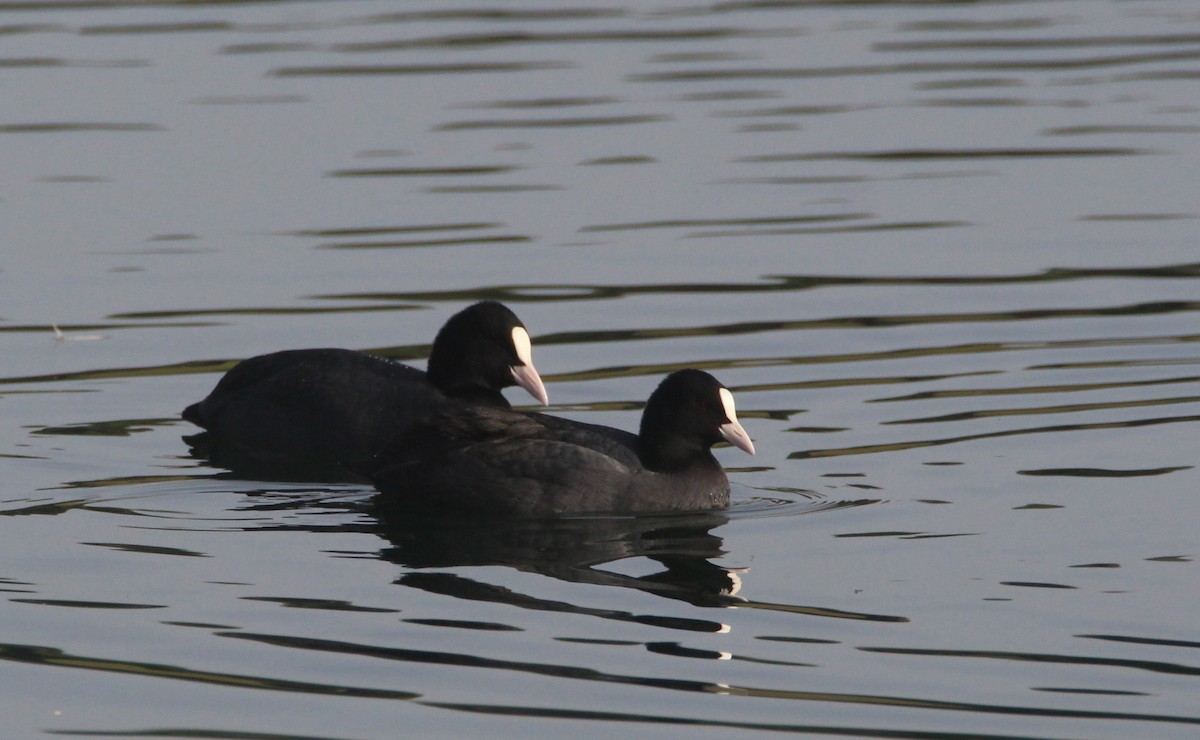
[943, 254]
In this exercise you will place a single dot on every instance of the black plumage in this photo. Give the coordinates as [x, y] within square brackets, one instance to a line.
[319, 407]
[486, 461]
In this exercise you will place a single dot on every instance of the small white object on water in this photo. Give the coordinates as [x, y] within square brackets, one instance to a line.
[61, 336]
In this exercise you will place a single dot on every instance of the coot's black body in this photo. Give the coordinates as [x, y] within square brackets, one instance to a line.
[483, 461]
[316, 408]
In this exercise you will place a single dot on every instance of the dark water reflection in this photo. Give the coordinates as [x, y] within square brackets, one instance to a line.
[576, 551]
[571, 550]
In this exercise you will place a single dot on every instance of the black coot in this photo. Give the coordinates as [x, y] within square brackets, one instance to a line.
[319, 407]
[495, 462]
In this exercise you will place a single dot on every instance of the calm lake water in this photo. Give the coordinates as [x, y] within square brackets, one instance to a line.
[945, 255]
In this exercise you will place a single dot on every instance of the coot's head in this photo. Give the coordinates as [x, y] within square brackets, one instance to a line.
[688, 413]
[482, 349]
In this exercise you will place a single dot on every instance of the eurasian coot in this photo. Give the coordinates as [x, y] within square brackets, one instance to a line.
[482, 461]
[318, 407]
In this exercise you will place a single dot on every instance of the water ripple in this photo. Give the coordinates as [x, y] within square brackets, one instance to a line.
[717, 74]
[449, 68]
[58, 127]
[916, 444]
[56, 658]
[1044, 658]
[922, 155]
[1104, 472]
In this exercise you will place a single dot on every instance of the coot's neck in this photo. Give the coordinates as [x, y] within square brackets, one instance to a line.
[461, 372]
[455, 377]
[669, 453]
[478, 396]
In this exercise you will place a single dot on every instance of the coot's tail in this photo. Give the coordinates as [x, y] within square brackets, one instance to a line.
[195, 415]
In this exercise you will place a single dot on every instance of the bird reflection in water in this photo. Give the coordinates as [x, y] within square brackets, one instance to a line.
[568, 549]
